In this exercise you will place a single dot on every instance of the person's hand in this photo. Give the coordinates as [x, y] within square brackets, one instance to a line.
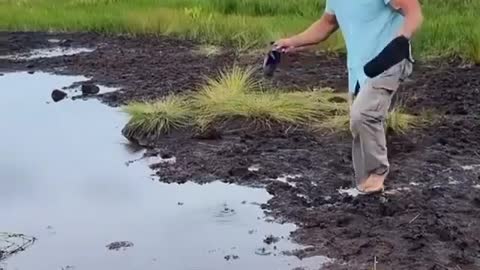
[284, 45]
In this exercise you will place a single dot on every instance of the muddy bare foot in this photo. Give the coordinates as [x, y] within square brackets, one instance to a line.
[374, 183]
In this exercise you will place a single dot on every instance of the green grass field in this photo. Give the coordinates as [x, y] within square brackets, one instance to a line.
[451, 26]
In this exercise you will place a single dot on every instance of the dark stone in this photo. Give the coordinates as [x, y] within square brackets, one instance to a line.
[90, 89]
[31, 72]
[164, 154]
[66, 43]
[58, 95]
[238, 171]
[208, 134]
[476, 201]
[119, 245]
[271, 240]
[442, 141]
[231, 257]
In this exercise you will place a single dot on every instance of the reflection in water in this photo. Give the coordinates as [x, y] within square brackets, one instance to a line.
[47, 53]
[63, 179]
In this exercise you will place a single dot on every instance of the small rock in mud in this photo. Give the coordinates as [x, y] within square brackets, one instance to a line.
[90, 89]
[180, 203]
[66, 43]
[58, 95]
[232, 257]
[262, 252]
[227, 210]
[150, 152]
[271, 239]
[238, 171]
[476, 201]
[166, 154]
[208, 134]
[119, 245]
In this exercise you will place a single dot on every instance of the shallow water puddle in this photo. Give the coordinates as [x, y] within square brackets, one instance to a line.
[47, 53]
[64, 180]
[352, 192]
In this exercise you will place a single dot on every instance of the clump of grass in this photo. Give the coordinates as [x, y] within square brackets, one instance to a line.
[208, 50]
[156, 118]
[474, 46]
[271, 107]
[399, 121]
[335, 123]
[235, 94]
[212, 100]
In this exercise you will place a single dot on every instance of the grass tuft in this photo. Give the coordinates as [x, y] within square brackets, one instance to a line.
[270, 107]
[474, 46]
[156, 118]
[212, 101]
[399, 121]
[234, 95]
[208, 50]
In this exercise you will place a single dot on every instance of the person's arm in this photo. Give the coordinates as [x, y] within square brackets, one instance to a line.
[317, 32]
[412, 11]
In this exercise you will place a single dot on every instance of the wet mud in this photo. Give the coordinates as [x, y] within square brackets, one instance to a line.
[429, 216]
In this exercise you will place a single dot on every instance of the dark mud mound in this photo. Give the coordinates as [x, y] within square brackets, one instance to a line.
[119, 245]
[429, 218]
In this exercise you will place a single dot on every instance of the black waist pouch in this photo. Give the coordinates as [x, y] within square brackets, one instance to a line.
[395, 52]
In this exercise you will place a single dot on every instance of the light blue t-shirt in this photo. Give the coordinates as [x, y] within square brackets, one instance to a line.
[367, 27]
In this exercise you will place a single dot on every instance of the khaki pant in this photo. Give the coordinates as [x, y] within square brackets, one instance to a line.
[368, 113]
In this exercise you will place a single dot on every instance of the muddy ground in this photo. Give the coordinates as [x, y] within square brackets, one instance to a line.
[429, 218]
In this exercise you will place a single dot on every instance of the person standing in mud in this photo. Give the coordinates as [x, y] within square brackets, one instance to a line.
[377, 34]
